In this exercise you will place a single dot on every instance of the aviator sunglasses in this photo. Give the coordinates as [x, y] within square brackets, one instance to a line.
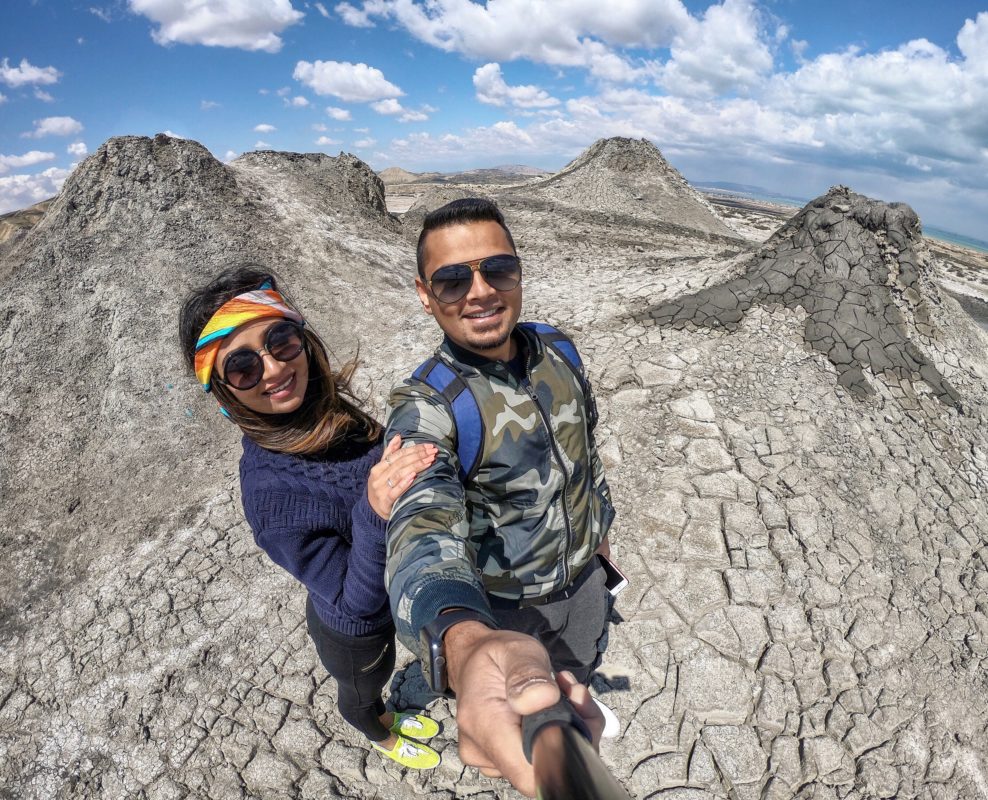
[244, 368]
[452, 282]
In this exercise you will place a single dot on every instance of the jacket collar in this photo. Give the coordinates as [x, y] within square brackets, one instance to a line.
[527, 341]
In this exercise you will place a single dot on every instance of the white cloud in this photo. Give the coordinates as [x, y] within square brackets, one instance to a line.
[322, 9]
[247, 24]
[365, 143]
[3, 98]
[392, 107]
[43, 96]
[569, 33]
[54, 126]
[172, 134]
[264, 128]
[319, 127]
[208, 105]
[325, 141]
[77, 149]
[261, 145]
[916, 100]
[20, 191]
[27, 73]
[353, 83]
[264, 91]
[230, 155]
[354, 16]
[7, 163]
[972, 41]
[339, 114]
[492, 89]
[284, 91]
[389, 106]
[297, 102]
[102, 13]
[724, 51]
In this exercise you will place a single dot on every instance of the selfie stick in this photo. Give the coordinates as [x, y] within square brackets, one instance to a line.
[558, 745]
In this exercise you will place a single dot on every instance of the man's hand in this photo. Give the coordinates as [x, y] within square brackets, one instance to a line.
[498, 677]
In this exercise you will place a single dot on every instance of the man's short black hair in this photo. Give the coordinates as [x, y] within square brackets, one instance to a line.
[459, 212]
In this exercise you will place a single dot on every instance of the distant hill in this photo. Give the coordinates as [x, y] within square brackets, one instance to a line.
[16, 223]
[510, 173]
[393, 176]
[521, 169]
[748, 191]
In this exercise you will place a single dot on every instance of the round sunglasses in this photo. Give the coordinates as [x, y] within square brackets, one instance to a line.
[244, 368]
[452, 282]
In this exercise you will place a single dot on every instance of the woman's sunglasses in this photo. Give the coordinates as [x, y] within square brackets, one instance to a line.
[244, 368]
[452, 282]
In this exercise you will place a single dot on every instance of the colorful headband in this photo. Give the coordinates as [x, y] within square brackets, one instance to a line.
[237, 311]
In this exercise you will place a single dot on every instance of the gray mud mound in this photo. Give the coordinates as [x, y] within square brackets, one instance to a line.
[630, 177]
[799, 473]
[862, 274]
[344, 185]
[413, 218]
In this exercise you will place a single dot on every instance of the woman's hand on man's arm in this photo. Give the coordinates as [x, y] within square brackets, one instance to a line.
[394, 473]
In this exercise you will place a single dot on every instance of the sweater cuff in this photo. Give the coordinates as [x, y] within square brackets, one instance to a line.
[370, 517]
[438, 595]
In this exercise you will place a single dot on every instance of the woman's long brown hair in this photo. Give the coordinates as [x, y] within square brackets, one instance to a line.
[329, 412]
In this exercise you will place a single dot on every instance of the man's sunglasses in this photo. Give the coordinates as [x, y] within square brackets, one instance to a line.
[244, 368]
[452, 282]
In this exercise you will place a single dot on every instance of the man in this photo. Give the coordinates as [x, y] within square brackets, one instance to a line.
[483, 557]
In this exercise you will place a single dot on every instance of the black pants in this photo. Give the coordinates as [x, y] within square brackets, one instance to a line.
[361, 666]
[572, 628]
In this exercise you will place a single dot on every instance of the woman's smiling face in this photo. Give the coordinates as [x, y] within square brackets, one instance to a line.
[282, 387]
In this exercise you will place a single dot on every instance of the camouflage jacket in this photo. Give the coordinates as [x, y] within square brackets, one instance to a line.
[532, 515]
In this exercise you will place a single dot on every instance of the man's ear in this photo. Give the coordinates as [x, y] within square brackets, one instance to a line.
[424, 297]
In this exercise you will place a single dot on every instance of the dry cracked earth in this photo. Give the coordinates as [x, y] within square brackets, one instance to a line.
[795, 434]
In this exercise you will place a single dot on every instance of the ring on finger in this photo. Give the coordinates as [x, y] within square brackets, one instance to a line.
[387, 460]
[390, 484]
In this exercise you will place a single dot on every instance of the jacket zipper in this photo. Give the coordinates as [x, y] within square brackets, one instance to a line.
[526, 384]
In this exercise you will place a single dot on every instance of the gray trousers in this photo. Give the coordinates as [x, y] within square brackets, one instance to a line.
[573, 628]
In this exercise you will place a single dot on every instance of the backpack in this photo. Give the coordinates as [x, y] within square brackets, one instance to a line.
[463, 404]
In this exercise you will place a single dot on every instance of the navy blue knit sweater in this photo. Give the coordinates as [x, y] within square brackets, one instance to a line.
[312, 517]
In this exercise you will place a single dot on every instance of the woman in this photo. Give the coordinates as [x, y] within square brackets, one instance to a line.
[317, 486]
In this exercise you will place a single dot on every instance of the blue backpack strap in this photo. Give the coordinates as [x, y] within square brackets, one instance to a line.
[563, 346]
[559, 342]
[466, 412]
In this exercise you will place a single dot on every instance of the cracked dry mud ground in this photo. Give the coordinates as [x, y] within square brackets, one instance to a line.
[807, 609]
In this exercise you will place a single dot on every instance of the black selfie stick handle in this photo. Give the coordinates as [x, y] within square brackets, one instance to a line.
[567, 767]
[562, 713]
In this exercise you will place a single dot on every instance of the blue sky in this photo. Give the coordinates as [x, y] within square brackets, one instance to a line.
[890, 98]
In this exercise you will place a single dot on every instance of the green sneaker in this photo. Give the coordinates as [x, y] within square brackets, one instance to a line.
[410, 754]
[417, 726]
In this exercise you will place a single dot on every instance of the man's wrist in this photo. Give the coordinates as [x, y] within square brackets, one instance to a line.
[459, 642]
[433, 640]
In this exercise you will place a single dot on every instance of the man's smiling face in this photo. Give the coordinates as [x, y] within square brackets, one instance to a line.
[482, 320]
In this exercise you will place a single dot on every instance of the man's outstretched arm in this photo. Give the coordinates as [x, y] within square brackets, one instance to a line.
[430, 562]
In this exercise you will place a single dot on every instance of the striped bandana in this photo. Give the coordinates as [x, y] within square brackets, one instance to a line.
[237, 311]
